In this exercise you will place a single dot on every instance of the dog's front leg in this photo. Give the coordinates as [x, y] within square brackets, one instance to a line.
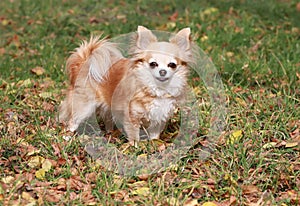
[132, 132]
[155, 130]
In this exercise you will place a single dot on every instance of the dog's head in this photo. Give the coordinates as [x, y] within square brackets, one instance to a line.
[165, 63]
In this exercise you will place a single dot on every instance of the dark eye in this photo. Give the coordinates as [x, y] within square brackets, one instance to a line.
[153, 64]
[172, 65]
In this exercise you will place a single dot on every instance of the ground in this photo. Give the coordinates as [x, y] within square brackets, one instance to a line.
[254, 46]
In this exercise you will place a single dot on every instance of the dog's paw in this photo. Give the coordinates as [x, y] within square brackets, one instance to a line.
[134, 143]
[72, 126]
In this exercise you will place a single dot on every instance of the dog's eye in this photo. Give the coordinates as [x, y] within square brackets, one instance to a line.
[153, 64]
[172, 65]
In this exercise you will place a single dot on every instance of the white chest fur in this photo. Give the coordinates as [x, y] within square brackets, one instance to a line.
[161, 109]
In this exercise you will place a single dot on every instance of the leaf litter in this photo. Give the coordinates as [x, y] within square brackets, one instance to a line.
[38, 167]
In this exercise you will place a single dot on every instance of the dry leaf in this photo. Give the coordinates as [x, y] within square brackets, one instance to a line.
[32, 151]
[193, 202]
[8, 179]
[38, 71]
[250, 189]
[35, 161]
[291, 144]
[47, 165]
[298, 7]
[269, 145]
[241, 102]
[143, 191]
[45, 95]
[174, 16]
[28, 197]
[229, 54]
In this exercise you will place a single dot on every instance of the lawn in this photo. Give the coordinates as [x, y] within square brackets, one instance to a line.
[255, 47]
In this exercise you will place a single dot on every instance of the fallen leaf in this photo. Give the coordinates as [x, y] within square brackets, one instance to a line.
[53, 196]
[174, 16]
[138, 184]
[204, 38]
[192, 202]
[291, 144]
[93, 20]
[235, 137]
[209, 11]
[46, 165]
[241, 102]
[143, 191]
[35, 161]
[2, 51]
[298, 7]
[28, 197]
[8, 179]
[269, 145]
[250, 189]
[40, 174]
[46, 95]
[209, 204]
[172, 201]
[295, 134]
[38, 71]
[32, 151]
[229, 54]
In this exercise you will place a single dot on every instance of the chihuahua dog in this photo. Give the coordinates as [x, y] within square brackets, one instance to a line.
[139, 92]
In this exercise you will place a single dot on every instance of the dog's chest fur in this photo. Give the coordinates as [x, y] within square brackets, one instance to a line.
[160, 109]
[149, 109]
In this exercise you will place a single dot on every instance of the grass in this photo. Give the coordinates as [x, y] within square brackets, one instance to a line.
[253, 44]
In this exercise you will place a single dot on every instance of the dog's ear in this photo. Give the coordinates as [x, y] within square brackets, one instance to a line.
[182, 39]
[144, 37]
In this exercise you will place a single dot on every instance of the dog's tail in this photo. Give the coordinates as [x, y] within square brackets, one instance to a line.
[93, 58]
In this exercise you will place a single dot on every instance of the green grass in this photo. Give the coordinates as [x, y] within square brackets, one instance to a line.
[254, 45]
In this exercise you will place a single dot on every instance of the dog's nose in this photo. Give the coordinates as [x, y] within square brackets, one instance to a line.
[162, 72]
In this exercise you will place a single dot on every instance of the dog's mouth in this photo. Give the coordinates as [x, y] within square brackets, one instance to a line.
[162, 79]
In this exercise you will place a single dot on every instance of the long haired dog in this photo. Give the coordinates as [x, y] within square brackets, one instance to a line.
[139, 92]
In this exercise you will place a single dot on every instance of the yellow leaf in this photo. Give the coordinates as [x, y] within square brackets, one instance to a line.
[142, 157]
[291, 144]
[5, 22]
[269, 145]
[47, 165]
[204, 38]
[45, 95]
[143, 191]
[235, 137]
[209, 204]
[197, 91]
[40, 174]
[24, 83]
[229, 54]
[35, 161]
[33, 152]
[173, 201]
[8, 179]
[38, 71]
[241, 102]
[210, 11]
[138, 184]
[27, 196]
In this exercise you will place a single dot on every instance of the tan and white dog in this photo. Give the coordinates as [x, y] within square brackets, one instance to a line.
[139, 92]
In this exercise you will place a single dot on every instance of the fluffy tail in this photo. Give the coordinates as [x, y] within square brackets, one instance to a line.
[93, 58]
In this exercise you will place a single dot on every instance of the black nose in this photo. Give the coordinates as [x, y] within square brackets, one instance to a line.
[162, 72]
